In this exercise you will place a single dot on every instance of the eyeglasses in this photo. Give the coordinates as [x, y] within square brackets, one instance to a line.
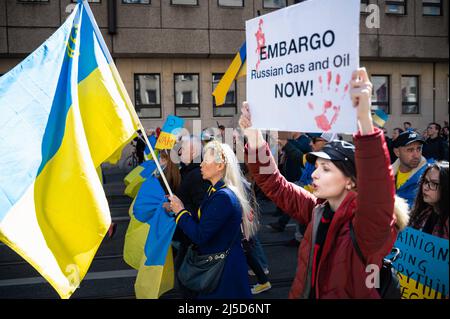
[430, 185]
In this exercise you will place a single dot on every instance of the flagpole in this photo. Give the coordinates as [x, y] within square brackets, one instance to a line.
[156, 160]
[125, 93]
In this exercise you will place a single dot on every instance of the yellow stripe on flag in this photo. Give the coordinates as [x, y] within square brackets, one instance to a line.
[223, 86]
[153, 281]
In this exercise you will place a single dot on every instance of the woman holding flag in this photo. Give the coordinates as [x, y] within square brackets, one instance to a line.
[351, 190]
[222, 217]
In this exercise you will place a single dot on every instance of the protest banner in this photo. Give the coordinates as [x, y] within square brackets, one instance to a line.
[299, 65]
[423, 265]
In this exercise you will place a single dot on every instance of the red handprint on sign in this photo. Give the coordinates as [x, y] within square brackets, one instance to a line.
[260, 41]
[322, 120]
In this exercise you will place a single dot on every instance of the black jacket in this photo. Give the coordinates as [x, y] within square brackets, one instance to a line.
[292, 166]
[191, 191]
[435, 148]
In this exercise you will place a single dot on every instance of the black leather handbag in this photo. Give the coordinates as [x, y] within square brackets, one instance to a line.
[202, 273]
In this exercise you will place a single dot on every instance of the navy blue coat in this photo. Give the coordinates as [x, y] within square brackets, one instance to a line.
[213, 228]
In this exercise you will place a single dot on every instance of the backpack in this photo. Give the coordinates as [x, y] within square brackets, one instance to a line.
[389, 282]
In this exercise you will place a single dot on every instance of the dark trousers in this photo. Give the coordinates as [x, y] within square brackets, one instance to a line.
[253, 262]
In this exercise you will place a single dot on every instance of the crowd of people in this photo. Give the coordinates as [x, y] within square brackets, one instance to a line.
[335, 191]
[435, 138]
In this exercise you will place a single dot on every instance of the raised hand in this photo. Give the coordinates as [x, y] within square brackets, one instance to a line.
[361, 93]
[254, 136]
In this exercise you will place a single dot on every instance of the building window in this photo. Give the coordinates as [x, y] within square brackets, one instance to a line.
[147, 95]
[396, 7]
[230, 3]
[31, 1]
[90, 1]
[432, 7]
[274, 4]
[230, 106]
[187, 97]
[410, 94]
[136, 2]
[380, 93]
[185, 2]
[363, 7]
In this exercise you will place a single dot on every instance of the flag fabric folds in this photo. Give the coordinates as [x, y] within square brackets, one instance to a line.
[148, 209]
[64, 112]
[137, 176]
[148, 239]
[237, 68]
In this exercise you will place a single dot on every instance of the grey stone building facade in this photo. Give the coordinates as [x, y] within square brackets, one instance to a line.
[171, 53]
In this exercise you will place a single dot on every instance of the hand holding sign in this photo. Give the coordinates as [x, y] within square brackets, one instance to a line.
[254, 136]
[361, 92]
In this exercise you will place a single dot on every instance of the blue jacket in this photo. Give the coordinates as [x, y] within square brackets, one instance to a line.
[213, 228]
[408, 191]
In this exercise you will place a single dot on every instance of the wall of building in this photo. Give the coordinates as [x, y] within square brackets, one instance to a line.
[165, 39]
[161, 29]
[424, 70]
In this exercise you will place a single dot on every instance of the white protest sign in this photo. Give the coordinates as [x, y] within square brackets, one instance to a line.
[299, 65]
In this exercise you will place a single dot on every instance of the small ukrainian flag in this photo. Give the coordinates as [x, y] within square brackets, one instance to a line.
[380, 118]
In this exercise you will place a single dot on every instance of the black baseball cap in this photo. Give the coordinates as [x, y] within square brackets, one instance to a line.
[337, 151]
[407, 138]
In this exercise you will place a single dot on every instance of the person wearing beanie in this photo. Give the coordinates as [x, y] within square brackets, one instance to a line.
[353, 187]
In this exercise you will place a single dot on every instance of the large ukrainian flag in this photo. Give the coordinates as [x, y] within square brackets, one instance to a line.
[64, 111]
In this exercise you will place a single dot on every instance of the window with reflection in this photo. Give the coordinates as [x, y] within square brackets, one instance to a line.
[380, 92]
[410, 94]
[432, 7]
[147, 95]
[184, 2]
[187, 95]
[230, 3]
[274, 4]
[396, 7]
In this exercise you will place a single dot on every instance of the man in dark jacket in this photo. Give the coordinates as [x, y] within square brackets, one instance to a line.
[191, 191]
[435, 147]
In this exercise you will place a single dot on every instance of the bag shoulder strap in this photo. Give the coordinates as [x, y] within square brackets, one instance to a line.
[355, 244]
[234, 240]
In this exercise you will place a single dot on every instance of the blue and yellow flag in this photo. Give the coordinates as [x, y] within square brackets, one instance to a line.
[380, 117]
[167, 138]
[138, 175]
[237, 68]
[148, 239]
[64, 112]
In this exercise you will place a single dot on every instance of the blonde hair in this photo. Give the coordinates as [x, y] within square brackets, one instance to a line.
[237, 183]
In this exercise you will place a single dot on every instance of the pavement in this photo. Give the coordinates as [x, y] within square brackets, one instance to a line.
[110, 277]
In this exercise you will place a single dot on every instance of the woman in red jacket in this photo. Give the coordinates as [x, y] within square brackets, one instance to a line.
[328, 264]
